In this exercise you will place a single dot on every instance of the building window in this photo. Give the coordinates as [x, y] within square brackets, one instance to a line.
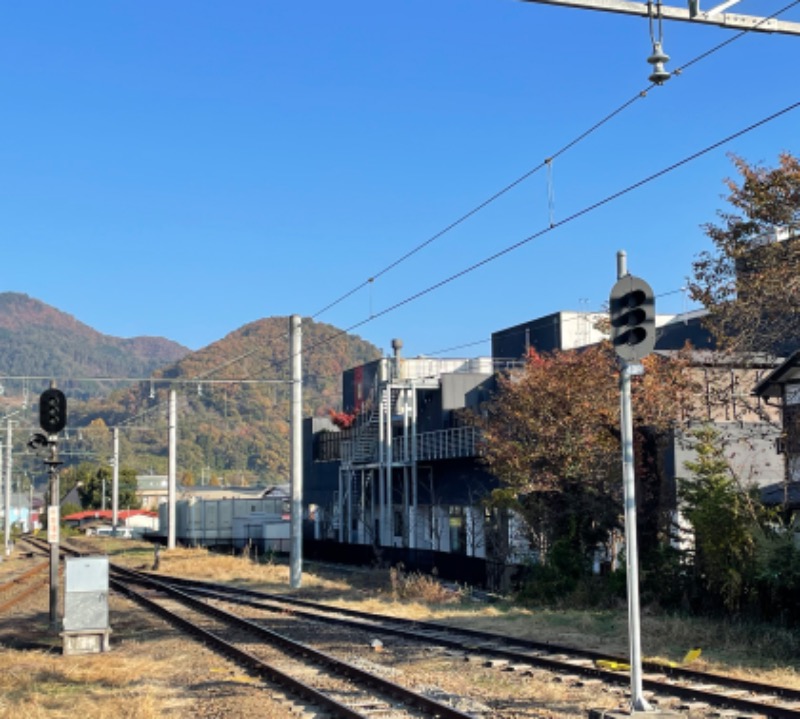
[458, 531]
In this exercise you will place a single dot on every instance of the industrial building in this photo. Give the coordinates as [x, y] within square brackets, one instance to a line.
[397, 474]
[258, 521]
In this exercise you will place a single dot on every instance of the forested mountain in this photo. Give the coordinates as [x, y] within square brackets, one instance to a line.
[233, 404]
[233, 396]
[37, 340]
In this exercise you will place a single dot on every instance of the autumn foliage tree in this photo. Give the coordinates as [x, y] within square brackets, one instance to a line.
[553, 439]
[749, 283]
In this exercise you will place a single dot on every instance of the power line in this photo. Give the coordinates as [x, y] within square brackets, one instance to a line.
[579, 315]
[546, 163]
[580, 213]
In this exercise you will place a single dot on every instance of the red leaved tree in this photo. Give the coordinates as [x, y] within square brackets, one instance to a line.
[553, 438]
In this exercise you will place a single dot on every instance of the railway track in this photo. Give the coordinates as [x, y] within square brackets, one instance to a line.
[674, 686]
[14, 591]
[338, 687]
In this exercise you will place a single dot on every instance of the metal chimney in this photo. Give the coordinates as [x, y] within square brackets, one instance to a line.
[397, 345]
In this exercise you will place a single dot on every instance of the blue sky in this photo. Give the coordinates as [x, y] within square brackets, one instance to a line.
[182, 168]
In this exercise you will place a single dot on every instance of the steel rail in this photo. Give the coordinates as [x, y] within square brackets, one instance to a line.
[545, 655]
[21, 580]
[407, 696]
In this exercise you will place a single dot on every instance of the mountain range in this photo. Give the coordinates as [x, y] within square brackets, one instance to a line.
[233, 395]
[37, 340]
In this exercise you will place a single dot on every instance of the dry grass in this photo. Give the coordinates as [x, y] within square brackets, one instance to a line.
[746, 648]
[38, 684]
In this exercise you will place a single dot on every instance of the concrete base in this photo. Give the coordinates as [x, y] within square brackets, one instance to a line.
[86, 641]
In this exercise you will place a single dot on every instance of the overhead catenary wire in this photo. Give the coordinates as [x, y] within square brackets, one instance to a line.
[580, 213]
[578, 317]
[576, 215]
[547, 163]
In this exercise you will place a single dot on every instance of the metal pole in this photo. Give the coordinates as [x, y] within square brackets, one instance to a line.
[53, 528]
[171, 472]
[622, 264]
[296, 514]
[115, 484]
[638, 702]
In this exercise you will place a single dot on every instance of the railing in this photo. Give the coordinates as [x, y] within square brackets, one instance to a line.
[440, 444]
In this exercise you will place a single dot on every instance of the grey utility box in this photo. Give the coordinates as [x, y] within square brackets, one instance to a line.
[86, 628]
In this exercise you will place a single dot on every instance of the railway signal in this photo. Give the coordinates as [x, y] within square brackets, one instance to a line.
[52, 411]
[633, 318]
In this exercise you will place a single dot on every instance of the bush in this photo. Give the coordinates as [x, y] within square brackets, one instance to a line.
[420, 587]
[556, 579]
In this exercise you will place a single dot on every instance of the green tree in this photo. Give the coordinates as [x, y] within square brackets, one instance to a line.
[100, 479]
[749, 284]
[127, 489]
[94, 485]
[725, 523]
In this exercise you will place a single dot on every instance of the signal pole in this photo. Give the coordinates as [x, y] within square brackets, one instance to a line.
[52, 419]
[632, 307]
[53, 526]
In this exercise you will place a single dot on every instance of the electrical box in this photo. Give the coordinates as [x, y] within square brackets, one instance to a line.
[86, 627]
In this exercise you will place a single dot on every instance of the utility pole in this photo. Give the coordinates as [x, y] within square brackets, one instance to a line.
[115, 484]
[172, 470]
[9, 459]
[296, 512]
[5, 504]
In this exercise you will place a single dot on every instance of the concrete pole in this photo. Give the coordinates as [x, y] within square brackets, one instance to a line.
[5, 506]
[296, 514]
[412, 520]
[172, 468]
[406, 452]
[381, 471]
[115, 484]
[388, 525]
[9, 459]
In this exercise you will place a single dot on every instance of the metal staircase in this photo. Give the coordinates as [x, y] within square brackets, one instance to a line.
[362, 447]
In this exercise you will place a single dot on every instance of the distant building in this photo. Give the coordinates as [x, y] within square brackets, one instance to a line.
[139, 521]
[151, 489]
[782, 388]
[231, 517]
